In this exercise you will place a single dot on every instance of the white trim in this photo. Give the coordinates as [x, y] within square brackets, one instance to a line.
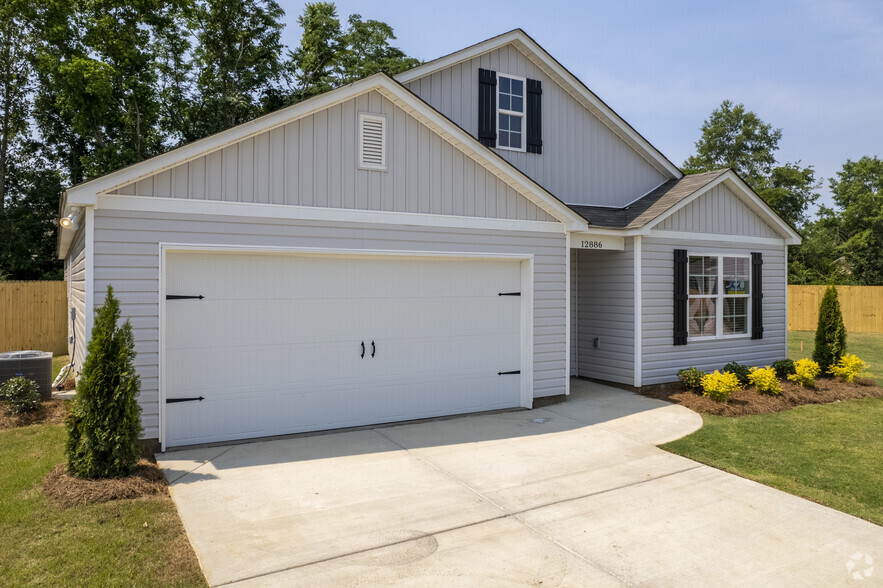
[522, 114]
[567, 311]
[315, 213]
[734, 239]
[575, 336]
[639, 318]
[559, 74]
[89, 247]
[527, 297]
[747, 196]
[786, 301]
[366, 116]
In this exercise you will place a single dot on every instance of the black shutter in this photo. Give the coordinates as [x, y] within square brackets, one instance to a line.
[757, 295]
[534, 116]
[487, 107]
[680, 297]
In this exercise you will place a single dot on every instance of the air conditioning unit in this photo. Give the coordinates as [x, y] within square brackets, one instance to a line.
[34, 365]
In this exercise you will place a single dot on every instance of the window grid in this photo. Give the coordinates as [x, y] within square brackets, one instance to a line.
[511, 112]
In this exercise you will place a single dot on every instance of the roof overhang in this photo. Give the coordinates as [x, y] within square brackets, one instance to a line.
[542, 59]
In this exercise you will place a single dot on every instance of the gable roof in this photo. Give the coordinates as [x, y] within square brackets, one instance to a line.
[573, 85]
[669, 197]
[85, 194]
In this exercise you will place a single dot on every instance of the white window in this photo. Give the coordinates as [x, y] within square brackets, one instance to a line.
[719, 290]
[372, 141]
[510, 112]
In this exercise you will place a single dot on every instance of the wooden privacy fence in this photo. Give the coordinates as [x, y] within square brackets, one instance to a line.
[862, 307]
[33, 315]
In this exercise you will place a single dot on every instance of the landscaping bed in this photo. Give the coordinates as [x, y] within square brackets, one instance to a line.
[50, 411]
[748, 401]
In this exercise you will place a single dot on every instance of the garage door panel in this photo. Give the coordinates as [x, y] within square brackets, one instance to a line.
[274, 348]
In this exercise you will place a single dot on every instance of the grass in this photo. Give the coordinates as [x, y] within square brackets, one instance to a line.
[124, 543]
[829, 453]
[58, 362]
[868, 346]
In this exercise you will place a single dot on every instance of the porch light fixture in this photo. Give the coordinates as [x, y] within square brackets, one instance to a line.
[71, 221]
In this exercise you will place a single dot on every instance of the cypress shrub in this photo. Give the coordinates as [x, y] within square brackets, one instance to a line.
[105, 420]
[830, 332]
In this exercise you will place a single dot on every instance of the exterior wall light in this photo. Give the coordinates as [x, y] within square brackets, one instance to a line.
[71, 221]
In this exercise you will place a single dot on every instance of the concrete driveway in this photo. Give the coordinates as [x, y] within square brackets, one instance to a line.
[574, 494]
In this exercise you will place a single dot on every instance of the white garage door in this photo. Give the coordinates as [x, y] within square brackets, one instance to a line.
[285, 343]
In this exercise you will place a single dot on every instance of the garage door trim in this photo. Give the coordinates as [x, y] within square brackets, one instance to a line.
[527, 291]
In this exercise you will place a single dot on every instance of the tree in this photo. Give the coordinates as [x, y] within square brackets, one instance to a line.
[16, 46]
[790, 190]
[858, 191]
[105, 419]
[830, 332]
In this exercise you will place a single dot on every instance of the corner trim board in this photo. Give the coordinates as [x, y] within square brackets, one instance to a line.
[639, 330]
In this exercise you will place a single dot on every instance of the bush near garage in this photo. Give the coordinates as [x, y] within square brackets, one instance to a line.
[691, 378]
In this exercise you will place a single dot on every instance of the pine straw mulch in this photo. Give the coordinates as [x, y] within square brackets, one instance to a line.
[66, 490]
[745, 402]
[50, 411]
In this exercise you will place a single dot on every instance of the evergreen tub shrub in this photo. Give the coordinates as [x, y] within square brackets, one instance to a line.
[105, 420]
[691, 378]
[21, 395]
[740, 370]
[830, 332]
[784, 368]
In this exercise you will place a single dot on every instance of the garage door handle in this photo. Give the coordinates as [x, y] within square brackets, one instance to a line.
[363, 350]
[373, 349]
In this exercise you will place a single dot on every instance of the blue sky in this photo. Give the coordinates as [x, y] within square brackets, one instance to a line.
[813, 68]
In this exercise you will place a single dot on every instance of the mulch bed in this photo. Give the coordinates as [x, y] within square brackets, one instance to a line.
[66, 490]
[745, 402]
[50, 411]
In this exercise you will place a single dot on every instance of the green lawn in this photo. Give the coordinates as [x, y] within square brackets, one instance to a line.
[868, 346]
[829, 453]
[97, 545]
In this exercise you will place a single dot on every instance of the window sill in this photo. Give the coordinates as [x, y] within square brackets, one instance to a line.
[719, 338]
[512, 149]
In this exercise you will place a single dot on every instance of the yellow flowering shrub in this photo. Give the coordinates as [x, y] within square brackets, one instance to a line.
[849, 368]
[765, 380]
[805, 372]
[720, 386]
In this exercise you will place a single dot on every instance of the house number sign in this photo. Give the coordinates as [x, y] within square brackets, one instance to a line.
[603, 242]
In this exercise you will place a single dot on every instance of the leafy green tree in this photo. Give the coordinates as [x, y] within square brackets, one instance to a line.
[817, 260]
[105, 419]
[790, 190]
[858, 191]
[830, 332]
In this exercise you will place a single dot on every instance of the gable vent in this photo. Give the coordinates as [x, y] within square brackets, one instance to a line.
[372, 141]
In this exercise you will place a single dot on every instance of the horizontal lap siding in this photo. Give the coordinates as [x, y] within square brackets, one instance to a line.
[77, 277]
[662, 359]
[721, 212]
[605, 309]
[313, 161]
[127, 256]
[583, 161]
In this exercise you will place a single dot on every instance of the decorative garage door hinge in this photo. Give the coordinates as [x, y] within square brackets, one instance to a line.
[174, 400]
[507, 373]
[180, 297]
[509, 294]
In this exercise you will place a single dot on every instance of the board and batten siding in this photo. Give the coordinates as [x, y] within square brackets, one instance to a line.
[313, 161]
[76, 276]
[127, 257]
[718, 211]
[662, 359]
[605, 309]
[583, 161]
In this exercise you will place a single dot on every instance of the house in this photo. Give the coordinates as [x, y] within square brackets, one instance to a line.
[464, 237]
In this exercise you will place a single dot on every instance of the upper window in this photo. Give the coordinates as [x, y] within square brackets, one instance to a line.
[719, 289]
[510, 113]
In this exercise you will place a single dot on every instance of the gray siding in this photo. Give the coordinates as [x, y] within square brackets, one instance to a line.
[721, 212]
[76, 275]
[127, 256]
[661, 359]
[605, 309]
[583, 161]
[313, 161]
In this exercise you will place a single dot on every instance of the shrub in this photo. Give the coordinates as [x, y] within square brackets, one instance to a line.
[784, 368]
[22, 395]
[691, 378]
[105, 420]
[805, 372]
[849, 368]
[830, 332]
[765, 380]
[720, 386]
[741, 371]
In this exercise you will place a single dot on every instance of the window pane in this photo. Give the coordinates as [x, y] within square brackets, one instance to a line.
[504, 122]
[701, 317]
[736, 275]
[517, 87]
[735, 316]
[515, 140]
[505, 102]
[517, 104]
[702, 275]
[504, 84]
[515, 123]
[503, 139]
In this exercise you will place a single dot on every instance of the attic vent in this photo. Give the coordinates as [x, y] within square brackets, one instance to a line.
[372, 141]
